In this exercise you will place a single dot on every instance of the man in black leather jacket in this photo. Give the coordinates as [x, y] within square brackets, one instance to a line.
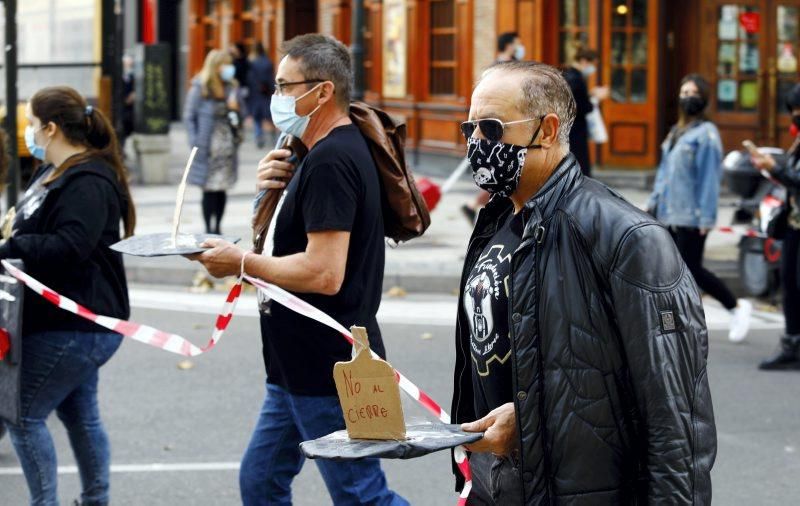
[581, 339]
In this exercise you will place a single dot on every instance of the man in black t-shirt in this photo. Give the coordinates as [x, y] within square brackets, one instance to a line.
[328, 249]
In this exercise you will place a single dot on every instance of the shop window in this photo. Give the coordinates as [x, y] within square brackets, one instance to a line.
[786, 53]
[574, 28]
[629, 50]
[738, 57]
[443, 47]
[211, 7]
[247, 5]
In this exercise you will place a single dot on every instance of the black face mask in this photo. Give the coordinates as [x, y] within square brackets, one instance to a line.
[796, 120]
[692, 105]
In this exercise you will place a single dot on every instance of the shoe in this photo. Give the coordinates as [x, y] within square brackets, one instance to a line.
[787, 357]
[469, 213]
[740, 322]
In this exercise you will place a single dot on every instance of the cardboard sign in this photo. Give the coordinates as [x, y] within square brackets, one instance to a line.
[369, 394]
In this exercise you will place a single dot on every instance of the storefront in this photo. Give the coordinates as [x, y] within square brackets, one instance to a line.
[423, 56]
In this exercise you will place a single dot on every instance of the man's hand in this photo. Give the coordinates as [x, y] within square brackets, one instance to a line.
[500, 431]
[223, 259]
[274, 172]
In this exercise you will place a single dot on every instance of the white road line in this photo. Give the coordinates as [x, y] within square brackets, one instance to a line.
[142, 468]
[440, 311]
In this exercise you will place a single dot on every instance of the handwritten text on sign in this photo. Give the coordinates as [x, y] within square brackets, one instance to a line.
[370, 397]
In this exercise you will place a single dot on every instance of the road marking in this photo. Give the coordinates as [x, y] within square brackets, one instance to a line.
[392, 311]
[440, 310]
[142, 468]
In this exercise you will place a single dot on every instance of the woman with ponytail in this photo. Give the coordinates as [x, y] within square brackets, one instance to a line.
[65, 222]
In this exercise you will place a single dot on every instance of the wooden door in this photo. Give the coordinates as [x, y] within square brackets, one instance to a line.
[630, 34]
[750, 50]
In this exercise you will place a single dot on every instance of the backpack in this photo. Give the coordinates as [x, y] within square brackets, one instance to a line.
[405, 213]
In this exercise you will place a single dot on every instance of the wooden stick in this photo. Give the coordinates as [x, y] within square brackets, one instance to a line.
[176, 217]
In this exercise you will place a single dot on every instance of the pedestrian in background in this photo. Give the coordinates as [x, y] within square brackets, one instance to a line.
[686, 194]
[509, 48]
[211, 115]
[65, 223]
[128, 98]
[261, 86]
[583, 66]
[788, 355]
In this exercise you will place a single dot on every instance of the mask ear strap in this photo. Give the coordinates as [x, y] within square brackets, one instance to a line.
[535, 134]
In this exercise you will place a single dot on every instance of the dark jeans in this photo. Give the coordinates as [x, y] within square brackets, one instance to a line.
[691, 244]
[790, 273]
[273, 458]
[60, 373]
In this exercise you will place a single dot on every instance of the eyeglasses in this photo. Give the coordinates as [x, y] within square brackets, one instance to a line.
[281, 87]
[491, 128]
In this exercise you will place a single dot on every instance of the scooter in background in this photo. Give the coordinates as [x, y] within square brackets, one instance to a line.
[761, 201]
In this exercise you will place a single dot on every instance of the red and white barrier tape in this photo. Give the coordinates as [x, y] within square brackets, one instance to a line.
[136, 331]
[177, 344]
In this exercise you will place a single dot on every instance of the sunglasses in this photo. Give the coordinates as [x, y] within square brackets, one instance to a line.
[491, 128]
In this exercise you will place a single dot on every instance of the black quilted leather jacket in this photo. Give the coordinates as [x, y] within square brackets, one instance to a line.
[609, 346]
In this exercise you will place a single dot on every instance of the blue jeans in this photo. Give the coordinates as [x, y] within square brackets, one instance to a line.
[60, 373]
[273, 458]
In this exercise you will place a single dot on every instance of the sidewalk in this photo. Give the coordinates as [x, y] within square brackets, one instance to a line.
[429, 264]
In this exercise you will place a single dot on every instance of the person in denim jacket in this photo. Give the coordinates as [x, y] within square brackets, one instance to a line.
[686, 194]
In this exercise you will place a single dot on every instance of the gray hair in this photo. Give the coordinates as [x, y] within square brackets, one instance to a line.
[323, 57]
[544, 91]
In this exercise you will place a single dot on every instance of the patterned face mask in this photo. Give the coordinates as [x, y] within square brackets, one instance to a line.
[496, 166]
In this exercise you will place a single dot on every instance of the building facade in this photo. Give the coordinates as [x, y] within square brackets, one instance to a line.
[423, 56]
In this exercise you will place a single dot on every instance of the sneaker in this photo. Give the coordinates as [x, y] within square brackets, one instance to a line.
[740, 321]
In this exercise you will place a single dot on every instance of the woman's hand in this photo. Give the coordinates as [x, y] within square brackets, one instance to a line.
[274, 172]
[762, 161]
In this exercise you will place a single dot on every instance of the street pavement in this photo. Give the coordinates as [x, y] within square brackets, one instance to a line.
[178, 433]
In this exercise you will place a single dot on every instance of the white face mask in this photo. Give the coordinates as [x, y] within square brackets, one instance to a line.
[519, 52]
[285, 117]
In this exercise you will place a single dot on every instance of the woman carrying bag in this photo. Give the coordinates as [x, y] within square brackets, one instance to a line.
[686, 194]
[64, 225]
[211, 115]
[788, 174]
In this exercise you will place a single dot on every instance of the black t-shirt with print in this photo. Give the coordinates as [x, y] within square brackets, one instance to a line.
[335, 188]
[486, 308]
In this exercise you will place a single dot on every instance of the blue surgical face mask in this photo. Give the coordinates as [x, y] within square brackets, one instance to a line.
[519, 52]
[227, 72]
[589, 70]
[36, 150]
[285, 117]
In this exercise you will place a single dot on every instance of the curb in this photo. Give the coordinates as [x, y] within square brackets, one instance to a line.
[441, 283]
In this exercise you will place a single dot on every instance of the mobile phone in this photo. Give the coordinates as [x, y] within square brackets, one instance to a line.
[750, 146]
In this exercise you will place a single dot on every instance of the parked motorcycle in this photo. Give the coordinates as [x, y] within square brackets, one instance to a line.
[761, 200]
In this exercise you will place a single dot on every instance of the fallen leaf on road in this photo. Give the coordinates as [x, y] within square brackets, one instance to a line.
[185, 365]
[396, 291]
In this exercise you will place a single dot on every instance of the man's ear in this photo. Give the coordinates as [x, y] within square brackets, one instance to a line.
[550, 126]
[327, 92]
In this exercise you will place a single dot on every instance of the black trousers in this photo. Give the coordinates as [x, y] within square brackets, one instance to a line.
[213, 205]
[691, 244]
[790, 279]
